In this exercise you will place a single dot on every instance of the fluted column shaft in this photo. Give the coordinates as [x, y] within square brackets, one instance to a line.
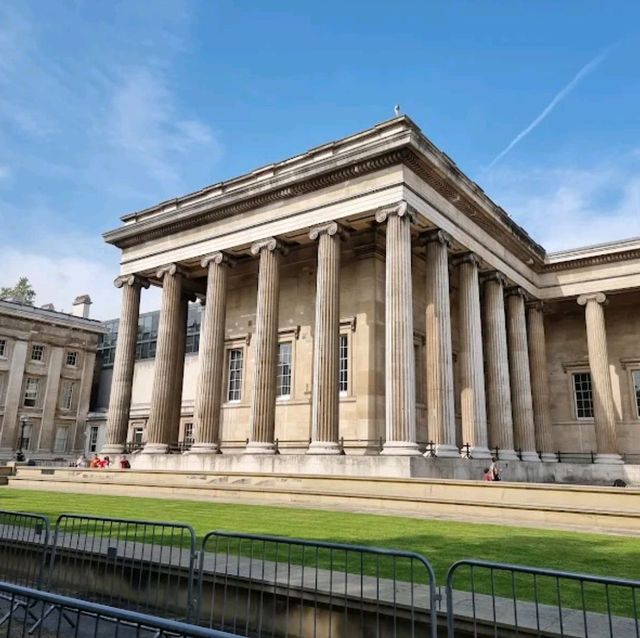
[440, 400]
[521, 400]
[497, 368]
[603, 408]
[400, 390]
[162, 415]
[325, 390]
[472, 399]
[123, 365]
[181, 342]
[209, 392]
[540, 382]
[263, 399]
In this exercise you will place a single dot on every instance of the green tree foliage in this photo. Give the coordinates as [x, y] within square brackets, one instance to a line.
[22, 292]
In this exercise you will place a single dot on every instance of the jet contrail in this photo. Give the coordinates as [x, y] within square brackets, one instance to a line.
[583, 72]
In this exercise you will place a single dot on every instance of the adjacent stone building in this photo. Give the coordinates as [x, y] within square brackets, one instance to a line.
[366, 297]
[47, 361]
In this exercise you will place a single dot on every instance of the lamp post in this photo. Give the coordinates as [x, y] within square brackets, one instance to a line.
[23, 424]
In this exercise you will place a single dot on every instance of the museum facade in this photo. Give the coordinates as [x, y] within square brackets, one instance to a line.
[366, 297]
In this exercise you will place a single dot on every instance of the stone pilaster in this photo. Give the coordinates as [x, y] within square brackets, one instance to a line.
[51, 399]
[540, 382]
[209, 391]
[123, 364]
[162, 415]
[440, 400]
[13, 397]
[472, 399]
[521, 400]
[497, 367]
[400, 390]
[603, 408]
[325, 390]
[263, 398]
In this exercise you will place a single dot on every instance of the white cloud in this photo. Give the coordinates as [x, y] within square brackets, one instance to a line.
[566, 207]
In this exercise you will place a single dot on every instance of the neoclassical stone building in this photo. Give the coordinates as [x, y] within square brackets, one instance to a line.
[47, 361]
[367, 297]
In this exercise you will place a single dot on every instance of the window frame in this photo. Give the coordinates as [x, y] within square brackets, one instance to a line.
[4, 348]
[36, 397]
[67, 386]
[188, 439]
[92, 442]
[574, 394]
[28, 428]
[76, 358]
[66, 439]
[345, 334]
[42, 351]
[227, 384]
[635, 391]
[285, 396]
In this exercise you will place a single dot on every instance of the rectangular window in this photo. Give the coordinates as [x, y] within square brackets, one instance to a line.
[137, 437]
[343, 376]
[187, 438]
[283, 379]
[3, 348]
[67, 395]
[31, 387]
[583, 395]
[3, 385]
[37, 353]
[72, 358]
[25, 433]
[234, 374]
[636, 390]
[62, 435]
[93, 438]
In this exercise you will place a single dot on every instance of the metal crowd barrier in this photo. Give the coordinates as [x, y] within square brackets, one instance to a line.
[145, 566]
[498, 598]
[267, 585]
[31, 612]
[24, 544]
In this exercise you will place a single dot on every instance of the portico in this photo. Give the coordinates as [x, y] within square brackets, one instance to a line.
[439, 290]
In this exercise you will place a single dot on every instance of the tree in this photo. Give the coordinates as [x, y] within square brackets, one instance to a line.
[22, 292]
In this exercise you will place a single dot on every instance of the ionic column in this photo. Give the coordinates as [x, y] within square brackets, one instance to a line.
[162, 415]
[472, 399]
[603, 408]
[440, 401]
[400, 390]
[209, 391]
[181, 342]
[540, 381]
[263, 398]
[123, 364]
[497, 367]
[325, 390]
[521, 400]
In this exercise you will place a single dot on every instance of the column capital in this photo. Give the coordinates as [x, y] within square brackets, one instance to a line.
[268, 243]
[130, 280]
[170, 269]
[494, 275]
[517, 291]
[536, 304]
[467, 258]
[217, 258]
[436, 235]
[598, 297]
[401, 209]
[330, 228]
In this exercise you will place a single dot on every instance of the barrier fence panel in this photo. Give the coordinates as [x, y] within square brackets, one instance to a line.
[31, 612]
[24, 543]
[485, 598]
[275, 586]
[146, 566]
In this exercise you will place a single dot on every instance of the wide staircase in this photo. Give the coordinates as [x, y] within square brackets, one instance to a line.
[563, 506]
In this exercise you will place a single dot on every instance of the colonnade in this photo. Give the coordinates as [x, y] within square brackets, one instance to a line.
[504, 394]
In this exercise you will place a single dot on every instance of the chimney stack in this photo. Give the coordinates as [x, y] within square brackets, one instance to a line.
[81, 306]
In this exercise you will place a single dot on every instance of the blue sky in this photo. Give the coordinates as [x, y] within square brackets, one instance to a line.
[109, 107]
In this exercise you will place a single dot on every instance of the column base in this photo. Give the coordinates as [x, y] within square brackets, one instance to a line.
[612, 459]
[112, 448]
[478, 452]
[204, 448]
[400, 448]
[446, 451]
[507, 455]
[531, 457]
[155, 448]
[258, 447]
[549, 457]
[323, 447]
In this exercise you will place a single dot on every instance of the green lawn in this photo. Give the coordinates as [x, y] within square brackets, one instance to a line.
[441, 542]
